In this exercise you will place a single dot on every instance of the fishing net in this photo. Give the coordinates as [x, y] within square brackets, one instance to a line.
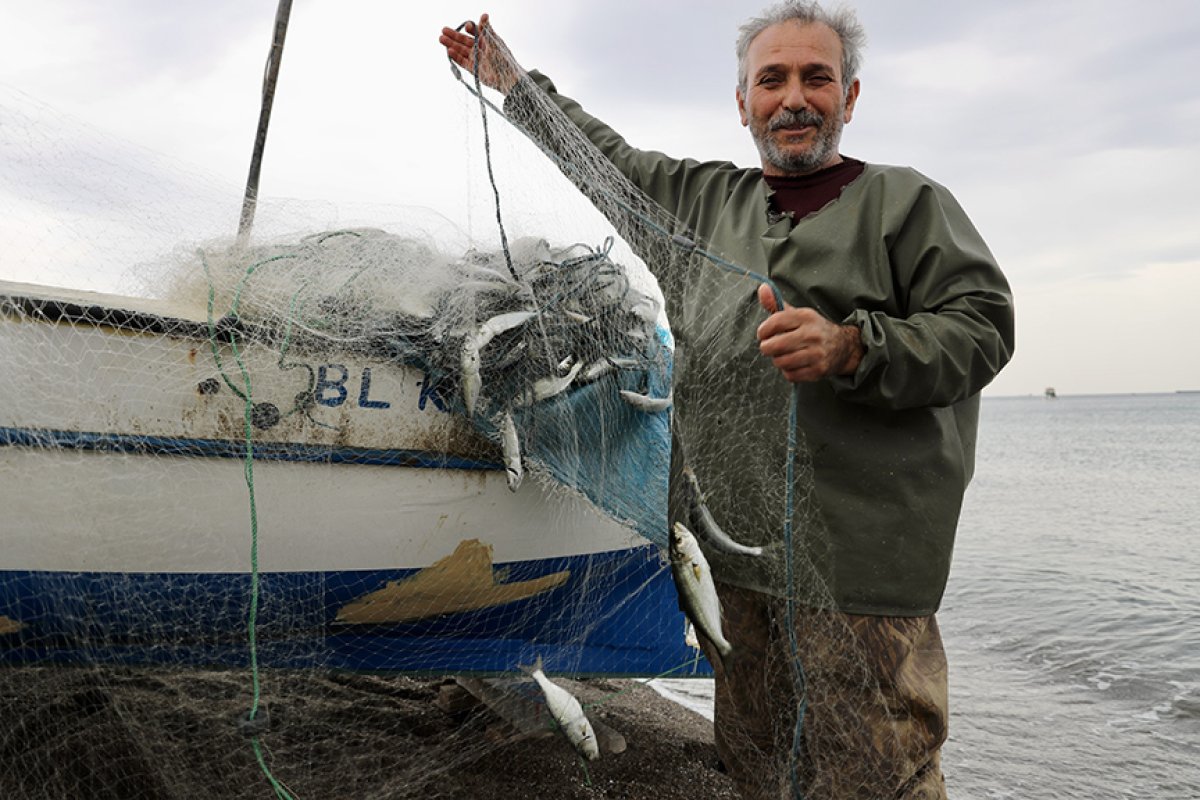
[244, 488]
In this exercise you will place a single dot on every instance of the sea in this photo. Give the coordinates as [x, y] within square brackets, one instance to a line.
[1072, 616]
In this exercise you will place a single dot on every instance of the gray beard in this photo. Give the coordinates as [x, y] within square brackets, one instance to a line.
[824, 144]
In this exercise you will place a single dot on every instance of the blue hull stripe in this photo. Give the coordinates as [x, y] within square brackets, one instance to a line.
[617, 614]
[219, 448]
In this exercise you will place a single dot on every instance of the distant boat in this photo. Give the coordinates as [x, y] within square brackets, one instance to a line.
[388, 537]
[1050, 393]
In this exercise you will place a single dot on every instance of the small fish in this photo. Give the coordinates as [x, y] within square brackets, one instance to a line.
[625, 362]
[546, 388]
[575, 316]
[567, 713]
[512, 451]
[596, 370]
[492, 275]
[644, 402]
[472, 381]
[487, 287]
[501, 323]
[697, 593]
[707, 527]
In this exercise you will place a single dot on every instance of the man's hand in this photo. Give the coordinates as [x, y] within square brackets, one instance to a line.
[497, 68]
[804, 345]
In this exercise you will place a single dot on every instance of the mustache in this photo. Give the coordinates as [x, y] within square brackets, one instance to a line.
[793, 119]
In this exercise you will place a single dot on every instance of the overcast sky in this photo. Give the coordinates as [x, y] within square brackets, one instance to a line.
[1069, 130]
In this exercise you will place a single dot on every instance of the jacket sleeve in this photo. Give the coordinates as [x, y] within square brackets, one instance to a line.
[665, 180]
[956, 330]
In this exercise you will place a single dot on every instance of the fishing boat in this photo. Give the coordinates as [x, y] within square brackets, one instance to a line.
[164, 489]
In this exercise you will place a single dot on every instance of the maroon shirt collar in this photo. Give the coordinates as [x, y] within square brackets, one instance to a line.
[798, 196]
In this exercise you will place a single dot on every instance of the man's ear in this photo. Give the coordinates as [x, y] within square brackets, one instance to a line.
[741, 104]
[851, 99]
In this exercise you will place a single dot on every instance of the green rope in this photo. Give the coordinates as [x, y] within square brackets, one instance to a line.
[248, 473]
[233, 313]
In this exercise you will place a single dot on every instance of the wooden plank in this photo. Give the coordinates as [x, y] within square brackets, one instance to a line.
[454, 699]
[528, 719]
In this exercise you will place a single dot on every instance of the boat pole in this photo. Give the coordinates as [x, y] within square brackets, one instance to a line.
[271, 74]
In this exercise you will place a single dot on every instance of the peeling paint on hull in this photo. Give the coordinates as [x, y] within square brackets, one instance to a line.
[462, 581]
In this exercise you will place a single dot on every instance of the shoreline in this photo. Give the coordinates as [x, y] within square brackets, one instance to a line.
[125, 732]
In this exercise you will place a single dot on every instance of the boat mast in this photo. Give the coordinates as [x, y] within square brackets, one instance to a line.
[274, 56]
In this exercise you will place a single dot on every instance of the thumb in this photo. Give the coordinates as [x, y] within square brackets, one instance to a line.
[766, 298]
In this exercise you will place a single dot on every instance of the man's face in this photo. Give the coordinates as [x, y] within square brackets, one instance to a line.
[794, 102]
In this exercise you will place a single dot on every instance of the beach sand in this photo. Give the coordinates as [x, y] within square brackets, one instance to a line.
[124, 733]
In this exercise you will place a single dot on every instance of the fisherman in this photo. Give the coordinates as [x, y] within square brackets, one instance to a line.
[915, 318]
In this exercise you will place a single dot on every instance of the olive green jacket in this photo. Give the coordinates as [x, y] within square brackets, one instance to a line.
[886, 452]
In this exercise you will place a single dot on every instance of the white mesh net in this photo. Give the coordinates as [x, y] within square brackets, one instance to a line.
[244, 493]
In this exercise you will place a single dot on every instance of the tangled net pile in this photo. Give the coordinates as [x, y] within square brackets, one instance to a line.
[564, 310]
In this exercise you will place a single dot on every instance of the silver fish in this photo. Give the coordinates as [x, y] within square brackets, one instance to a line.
[512, 451]
[697, 592]
[596, 370]
[472, 382]
[706, 527]
[644, 402]
[567, 713]
[576, 316]
[493, 275]
[501, 323]
[546, 388]
[486, 287]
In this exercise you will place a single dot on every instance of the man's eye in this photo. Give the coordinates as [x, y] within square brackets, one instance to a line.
[768, 80]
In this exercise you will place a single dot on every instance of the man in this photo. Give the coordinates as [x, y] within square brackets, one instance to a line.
[896, 317]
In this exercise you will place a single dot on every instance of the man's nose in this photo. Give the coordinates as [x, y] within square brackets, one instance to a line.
[794, 98]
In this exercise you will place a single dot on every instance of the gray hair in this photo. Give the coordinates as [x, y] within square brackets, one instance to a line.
[842, 20]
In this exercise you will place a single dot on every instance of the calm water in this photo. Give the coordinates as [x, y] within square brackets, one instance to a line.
[1072, 618]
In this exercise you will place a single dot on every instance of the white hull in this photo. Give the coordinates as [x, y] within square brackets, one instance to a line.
[122, 453]
[127, 511]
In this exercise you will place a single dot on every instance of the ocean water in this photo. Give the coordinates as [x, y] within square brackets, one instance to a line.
[1072, 617]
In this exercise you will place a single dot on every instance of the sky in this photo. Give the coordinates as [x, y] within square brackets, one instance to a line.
[1069, 131]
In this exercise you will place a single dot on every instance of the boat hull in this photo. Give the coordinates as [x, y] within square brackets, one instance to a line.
[381, 535]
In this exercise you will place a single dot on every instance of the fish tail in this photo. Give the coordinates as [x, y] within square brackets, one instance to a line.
[529, 670]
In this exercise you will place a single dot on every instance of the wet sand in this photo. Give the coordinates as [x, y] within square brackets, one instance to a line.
[151, 735]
